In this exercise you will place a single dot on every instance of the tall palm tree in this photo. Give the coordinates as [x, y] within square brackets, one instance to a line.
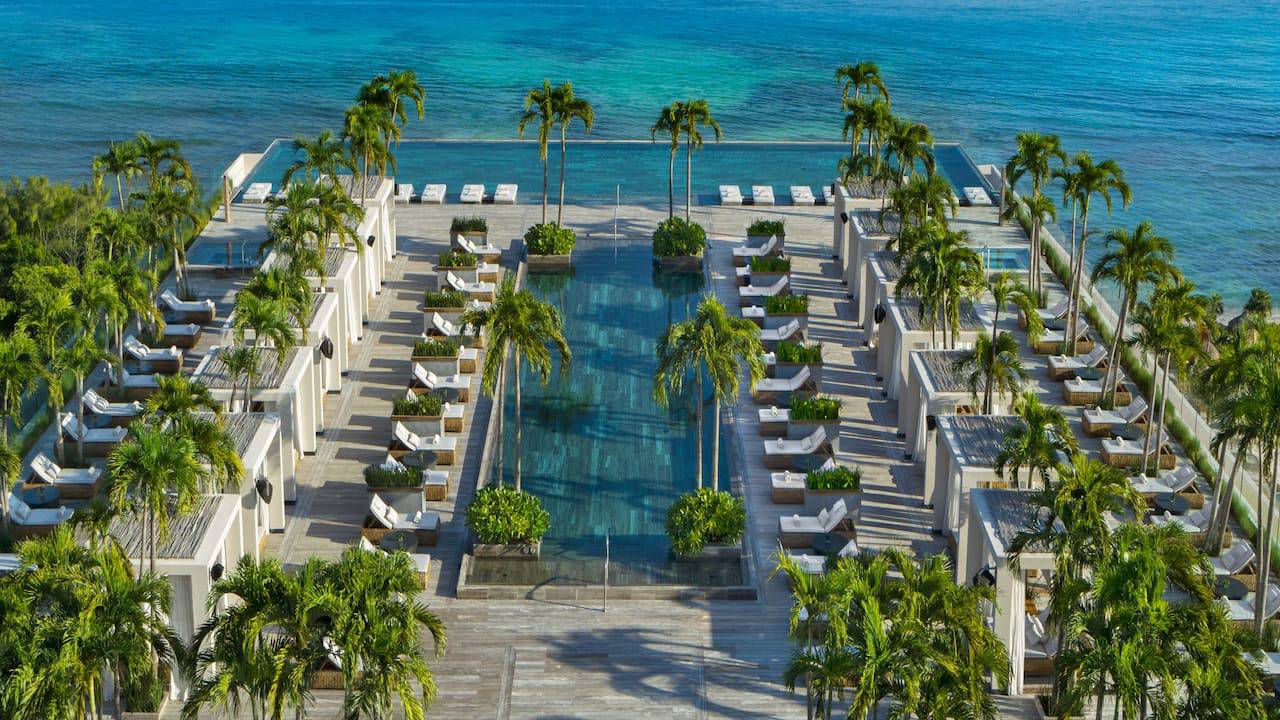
[518, 322]
[538, 108]
[241, 361]
[396, 92]
[1169, 326]
[692, 116]
[910, 143]
[10, 469]
[817, 602]
[879, 123]
[862, 76]
[718, 344]
[1040, 209]
[1101, 179]
[160, 157]
[154, 473]
[921, 198]
[82, 357]
[363, 129]
[942, 272]
[121, 159]
[825, 671]
[324, 156]
[992, 366]
[19, 370]
[1132, 261]
[287, 286]
[1033, 153]
[668, 123]
[565, 108]
[171, 203]
[117, 231]
[269, 320]
[134, 289]
[1037, 444]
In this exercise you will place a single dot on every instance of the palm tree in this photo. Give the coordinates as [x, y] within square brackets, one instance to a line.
[816, 601]
[718, 343]
[854, 79]
[10, 470]
[1032, 156]
[241, 361]
[879, 122]
[537, 107]
[1037, 444]
[19, 370]
[324, 156]
[1040, 209]
[517, 321]
[565, 108]
[82, 357]
[825, 671]
[161, 157]
[1169, 324]
[287, 286]
[269, 320]
[911, 142]
[363, 128]
[116, 230]
[921, 198]
[1003, 288]
[942, 272]
[154, 472]
[668, 123]
[1140, 258]
[121, 159]
[693, 115]
[992, 365]
[396, 92]
[171, 203]
[1101, 179]
[133, 287]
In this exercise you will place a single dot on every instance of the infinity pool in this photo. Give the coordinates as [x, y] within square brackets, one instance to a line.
[598, 450]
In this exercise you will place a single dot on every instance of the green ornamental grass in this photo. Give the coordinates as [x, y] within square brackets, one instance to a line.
[425, 405]
[838, 478]
[447, 298]
[764, 226]
[436, 348]
[793, 352]
[819, 407]
[474, 224]
[458, 259]
[770, 264]
[787, 305]
[377, 476]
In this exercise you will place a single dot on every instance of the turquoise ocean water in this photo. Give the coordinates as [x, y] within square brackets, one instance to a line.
[1185, 96]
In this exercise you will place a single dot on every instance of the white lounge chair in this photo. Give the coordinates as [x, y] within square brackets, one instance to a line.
[1196, 521]
[1146, 486]
[767, 389]
[781, 453]
[1235, 558]
[448, 329]
[1057, 337]
[1119, 452]
[730, 195]
[505, 194]
[429, 380]
[761, 195]
[424, 523]
[472, 289]
[1040, 646]
[486, 252]
[1060, 366]
[444, 447]
[136, 382]
[29, 521]
[74, 483]
[828, 195]
[472, 194]
[1099, 421]
[787, 487]
[169, 358]
[749, 293]
[977, 196]
[782, 333]
[1243, 610]
[811, 564]
[194, 310]
[1180, 478]
[97, 441]
[1055, 311]
[404, 193]
[99, 405]
[429, 477]
[433, 193]
[744, 253]
[256, 193]
[798, 530]
[801, 195]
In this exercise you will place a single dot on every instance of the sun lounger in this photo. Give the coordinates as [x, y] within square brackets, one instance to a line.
[781, 453]
[1181, 478]
[73, 483]
[423, 523]
[768, 390]
[1041, 647]
[977, 196]
[454, 385]
[1052, 340]
[159, 359]
[505, 194]
[828, 195]
[787, 488]
[742, 255]
[811, 564]
[1242, 611]
[472, 194]
[1098, 422]
[1063, 366]
[1149, 487]
[118, 413]
[256, 193]
[761, 195]
[97, 441]
[751, 293]
[196, 311]
[26, 521]
[798, 530]
[136, 386]
[786, 332]
[730, 195]
[433, 194]
[1053, 312]
[480, 290]
[801, 195]
[435, 482]
[1234, 559]
[450, 330]
[444, 448]
[1081, 392]
[404, 193]
[1196, 521]
[1118, 452]
[487, 252]
[181, 335]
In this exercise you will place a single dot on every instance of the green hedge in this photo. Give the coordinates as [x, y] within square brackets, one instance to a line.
[764, 226]
[458, 259]
[678, 237]
[787, 304]
[446, 298]
[791, 352]
[818, 407]
[436, 348]
[838, 478]
[770, 264]
[503, 516]
[377, 476]
[475, 223]
[424, 405]
[705, 517]
[549, 239]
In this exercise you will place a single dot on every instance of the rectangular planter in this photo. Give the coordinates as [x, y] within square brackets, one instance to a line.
[548, 263]
[681, 263]
[718, 552]
[475, 237]
[765, 279]
[816, 500]
[516, 551]
[443, 365]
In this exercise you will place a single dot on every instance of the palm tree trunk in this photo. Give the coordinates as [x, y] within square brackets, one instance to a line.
[1073, 307]
[560, 207]
[1111, 380]
[715, 447]
[697, 408]
[501, 392]
[688, 173]
[120, 191]
[1222, 510]
[1164, 404]
[1102, 694]
[671, 183]
[1264, 544]
[79, 415]
[517, 421]
[545, 172]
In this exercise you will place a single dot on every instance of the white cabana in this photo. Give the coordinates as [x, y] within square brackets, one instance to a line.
[905, 330]
[877, 282]
[934, 386]
[961, 456]
[866, 235]
[342, 278]
[268, 462]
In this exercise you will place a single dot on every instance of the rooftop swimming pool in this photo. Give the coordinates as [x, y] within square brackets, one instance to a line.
[1008, 259]
[211, 252]
[633, 172]
[598, 450]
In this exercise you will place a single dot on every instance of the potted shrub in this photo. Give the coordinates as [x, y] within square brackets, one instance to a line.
[549, 246]
[761, 229]
[822, 488]
[679, 244]
[389, 481]
[424, 414]
[790, 356]
[507, 523]
[475, 229]
[706, 524]
[466, 266]
[443, 356]
[145, 696]
[766, 270]
[782, 309]
[448, 302]
[811, 413]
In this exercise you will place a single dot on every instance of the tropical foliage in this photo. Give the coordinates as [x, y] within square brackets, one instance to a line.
[549, 239]
[504, 516]
[677, 237]
[705, 517]
[837, 478]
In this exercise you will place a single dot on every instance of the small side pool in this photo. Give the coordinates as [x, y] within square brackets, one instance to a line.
[212, 253]
[1005, 259]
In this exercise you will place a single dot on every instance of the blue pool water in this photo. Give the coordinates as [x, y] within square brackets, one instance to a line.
[212, 253]
[602, 455]
[1012, 259]
[1186, 96]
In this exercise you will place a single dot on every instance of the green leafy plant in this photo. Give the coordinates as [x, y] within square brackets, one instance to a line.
[436, 348]
[425, 405]
[447, 298]
[770, 264]
[377, 476]
[787, 304]
[475, 223]
[793, 352]
[549, 239]
[506, 516]
[705, 517]
[819, 407]
[458, 259]
[837, 478]
[677, 237]
[764, 226]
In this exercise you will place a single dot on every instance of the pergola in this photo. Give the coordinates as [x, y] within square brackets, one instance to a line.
[959, 457]
[905, 330]
[877, 281]
[934, 387]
